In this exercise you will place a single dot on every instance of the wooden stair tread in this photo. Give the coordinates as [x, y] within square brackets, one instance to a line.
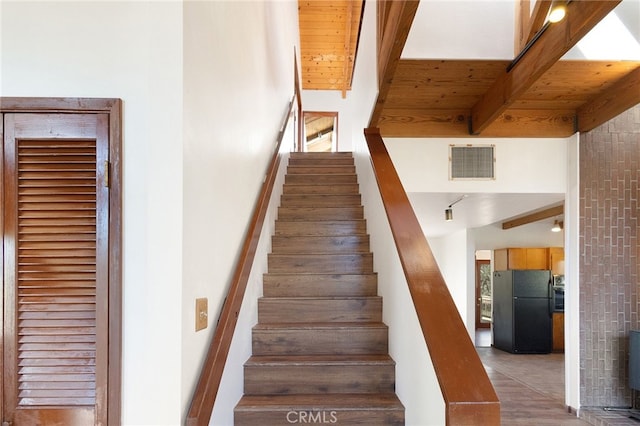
[384, 401]
[325, 209]
[330, 276]
[320, 359]
[320, 178]
[318, 326]
[341, 188]
[321, 168]
[315, 309]
[319, 213]
[320, 244]
[310, 285]
[327, 200]
[317, 227]
[292, 299]
[325, 263]
[334, 154]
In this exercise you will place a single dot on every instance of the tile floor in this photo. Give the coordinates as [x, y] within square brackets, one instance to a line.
[531, 389]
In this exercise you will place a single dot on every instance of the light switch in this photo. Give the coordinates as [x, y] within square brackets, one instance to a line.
[202, 313]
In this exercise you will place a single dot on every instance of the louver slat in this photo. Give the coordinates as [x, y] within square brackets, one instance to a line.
[56, 265]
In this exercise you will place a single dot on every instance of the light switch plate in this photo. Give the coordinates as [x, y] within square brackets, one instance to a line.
[202, 313]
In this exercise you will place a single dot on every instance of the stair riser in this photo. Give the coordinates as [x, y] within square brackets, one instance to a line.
[316, 170]
[308, 244]
[295, 415]
[320, 179]
[318, 379]
[339, 341]
[345, 161]
[320, 200]
[320, 264]
[278, 310]
[281, 285]
[320, 213]
[319, 228]
[323, 155]
[321, 189]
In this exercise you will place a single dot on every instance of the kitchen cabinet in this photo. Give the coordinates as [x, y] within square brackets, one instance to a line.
[558, 332]
[521, 258]
[556, 260]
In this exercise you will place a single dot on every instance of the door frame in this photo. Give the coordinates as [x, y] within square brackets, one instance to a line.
[113, 108]
[332, 114]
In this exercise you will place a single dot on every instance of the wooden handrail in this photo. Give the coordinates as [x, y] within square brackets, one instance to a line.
[206, 390]
[468, 394]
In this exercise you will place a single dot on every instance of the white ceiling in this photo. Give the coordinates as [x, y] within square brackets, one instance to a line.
[483, 29]
[477, 210]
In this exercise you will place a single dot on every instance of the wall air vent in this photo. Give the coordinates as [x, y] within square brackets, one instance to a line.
[471, 162]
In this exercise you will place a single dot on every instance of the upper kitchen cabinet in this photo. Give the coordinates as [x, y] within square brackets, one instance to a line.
[521, 258]
[556, 260]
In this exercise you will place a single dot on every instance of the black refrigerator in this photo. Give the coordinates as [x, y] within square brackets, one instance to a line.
[522, 311]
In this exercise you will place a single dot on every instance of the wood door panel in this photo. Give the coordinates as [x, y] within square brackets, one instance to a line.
[56, 264]
[54, 416]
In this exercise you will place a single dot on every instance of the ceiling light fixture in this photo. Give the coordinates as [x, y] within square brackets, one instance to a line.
[557, 13]
[557, 226]
[448, 212]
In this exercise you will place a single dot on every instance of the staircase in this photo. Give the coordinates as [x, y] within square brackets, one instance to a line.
[320, 350]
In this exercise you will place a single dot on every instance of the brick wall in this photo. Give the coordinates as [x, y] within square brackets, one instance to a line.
[609, 248]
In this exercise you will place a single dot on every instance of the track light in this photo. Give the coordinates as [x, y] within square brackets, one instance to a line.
[448, 212]
[557, 226]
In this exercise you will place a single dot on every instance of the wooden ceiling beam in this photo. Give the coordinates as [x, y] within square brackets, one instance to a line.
[623, 95]
[346, 74]
[534, 217]
[411, 123]
[536, 20]
[394, 32]
[529, 22]
[522, 17]
[552, 44]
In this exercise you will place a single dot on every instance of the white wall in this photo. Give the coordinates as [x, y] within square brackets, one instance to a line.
[232, 386]
[416, 383]
[189, 190]
[523, 165]
[451, 253]
[132, 51]
[237, 85]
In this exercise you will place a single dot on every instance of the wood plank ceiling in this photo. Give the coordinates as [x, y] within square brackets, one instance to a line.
[535, 95]
[329, 32]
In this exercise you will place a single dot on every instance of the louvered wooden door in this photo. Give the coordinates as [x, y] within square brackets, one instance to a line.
[55, 266]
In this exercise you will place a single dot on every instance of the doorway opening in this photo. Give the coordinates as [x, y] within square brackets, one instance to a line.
[483, 294]
[320, 131]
